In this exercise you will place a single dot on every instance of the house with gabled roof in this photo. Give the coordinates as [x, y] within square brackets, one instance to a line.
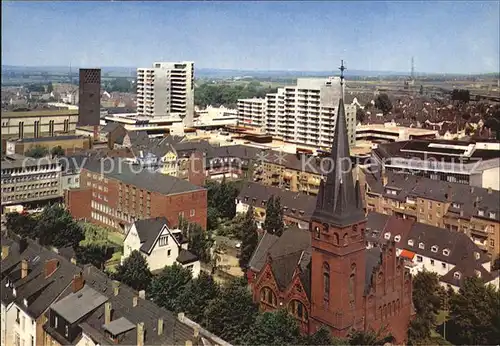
[160, 245]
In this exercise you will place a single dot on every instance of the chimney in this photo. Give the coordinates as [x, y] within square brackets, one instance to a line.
[384, 175]
[116, 288]
[142, 294]
[78, 282]
[196, 332]
[24, 269]
[5, 251]
[73, 260]
[134, 301]
[50, 267]
[160, 326]
[140, 334]
[107, 313]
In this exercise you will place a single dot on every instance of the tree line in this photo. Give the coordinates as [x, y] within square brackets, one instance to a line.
[228, 94]
[55, 227]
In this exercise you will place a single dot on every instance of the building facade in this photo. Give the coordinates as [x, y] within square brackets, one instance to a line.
[67, 143]
[325, 276]
[167, 89]
[35, 124]
[29, 181]
[458, 207]
[252, 112]
[115, 194]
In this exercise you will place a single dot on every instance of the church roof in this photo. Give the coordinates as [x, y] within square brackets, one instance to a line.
[339, 200]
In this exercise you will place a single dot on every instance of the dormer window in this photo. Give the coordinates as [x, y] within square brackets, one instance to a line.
[480, 212]
[254, 199]
[410, 242]
[387, 235]
[492, 215]
[456, 205]
[434, 248]
[421, 246]
[14, 292]
[478, 273]
[397, 238]
[301, 212]
[25, 302]
[477, 255]
[294, 210]
[263, 202]
[285, 208]
[246, 198]
[446, 252]
[457, 275]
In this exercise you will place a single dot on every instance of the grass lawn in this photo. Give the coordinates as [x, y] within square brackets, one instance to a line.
[114, 261]
[116, 237]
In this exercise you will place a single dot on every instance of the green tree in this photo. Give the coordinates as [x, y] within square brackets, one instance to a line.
[427, 302]
[37, 152]
[274, 328]
[197, 294]
[21, 224]
[134, 271]
[360, 115]
[274, 216]
[475, 314]
[57, 151]
[250, 239]
[166, 287]
[56, 227]
[231, 313]
[371, 337]
[321, 337]
[95, 254]
[383, 103]
[221, 197]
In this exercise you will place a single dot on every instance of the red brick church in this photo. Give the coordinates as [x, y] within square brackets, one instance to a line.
[325, 276]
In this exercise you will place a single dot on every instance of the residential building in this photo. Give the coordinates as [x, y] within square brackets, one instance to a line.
[472, 210]
[30, 181]
[275, 110]
[215, 117]
[89, 97]
[452, 255]
[67, 143]
[475, 163]
[297, 207]
[114, 194]
[34, 124]
[252, 112]
[325, 276]
[110, 132]
[390, 132]
[32, 279]
[95, 310]
[160, 245]
[167, 90]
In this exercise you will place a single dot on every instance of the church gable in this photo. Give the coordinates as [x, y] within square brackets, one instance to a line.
[265, 288]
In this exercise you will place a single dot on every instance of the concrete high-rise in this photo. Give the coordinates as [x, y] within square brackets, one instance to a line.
[167, 90]
[303, 114]
[252, 112]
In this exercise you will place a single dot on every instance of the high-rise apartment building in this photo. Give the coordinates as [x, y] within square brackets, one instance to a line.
[304, 113]
[89, 100]
[252, 112]
[166, 90]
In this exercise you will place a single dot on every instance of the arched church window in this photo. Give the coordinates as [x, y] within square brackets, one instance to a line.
[317, 232]
[352, 284]
[326, 282]
[345, 239]
[267, 296]
[298, 310]
[336, 238]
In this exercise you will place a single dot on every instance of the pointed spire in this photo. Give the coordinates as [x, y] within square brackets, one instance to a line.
[337, 201]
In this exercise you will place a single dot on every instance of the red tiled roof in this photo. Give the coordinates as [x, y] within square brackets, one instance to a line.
[407, 254]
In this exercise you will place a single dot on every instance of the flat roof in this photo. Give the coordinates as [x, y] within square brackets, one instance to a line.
[48, 139]
[40, 113]
[380, 127]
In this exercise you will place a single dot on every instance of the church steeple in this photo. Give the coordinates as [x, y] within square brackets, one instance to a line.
[337, 201]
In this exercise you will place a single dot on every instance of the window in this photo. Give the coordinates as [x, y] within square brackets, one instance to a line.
[492, 215]
[169, 252]
[457, 275]
[298, 310]
[421, 245]
[443, 265]
[387, 235]
[326, 282]
[163, 240]
[478, 273]
[181, 214]
[397, 238]
[477, 255]
[432, 262]
[419, 259]
[480, 212]
[192, 212]
[267, 296]
[434, 248]
[410, 242]
[18, 315]
[32, 340]
[446, 252]
[317, 232]
[66, 330]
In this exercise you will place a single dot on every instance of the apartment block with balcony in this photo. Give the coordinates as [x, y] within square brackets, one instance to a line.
[26, 180]
[167, 89]
[472, 210]
[306, 113]
[252, 112]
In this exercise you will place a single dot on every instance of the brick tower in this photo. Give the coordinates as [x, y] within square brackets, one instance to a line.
[338, 242]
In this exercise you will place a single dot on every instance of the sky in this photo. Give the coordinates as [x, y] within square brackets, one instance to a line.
[443, 37]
